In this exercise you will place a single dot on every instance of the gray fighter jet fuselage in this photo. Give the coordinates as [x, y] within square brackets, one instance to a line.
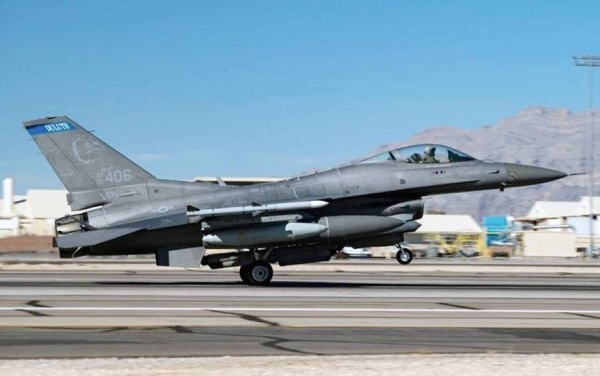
[372, 202]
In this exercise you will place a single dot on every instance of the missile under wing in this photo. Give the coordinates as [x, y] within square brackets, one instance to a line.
[123, 209]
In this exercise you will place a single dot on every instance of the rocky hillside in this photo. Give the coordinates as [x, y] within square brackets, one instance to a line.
[545, 137]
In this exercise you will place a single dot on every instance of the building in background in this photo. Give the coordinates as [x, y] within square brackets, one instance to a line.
[447, 235]
[33, 213]
[500, 236]
[558, 228]
[499, 230]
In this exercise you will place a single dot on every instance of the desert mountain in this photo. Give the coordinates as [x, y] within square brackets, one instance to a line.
[544, 137]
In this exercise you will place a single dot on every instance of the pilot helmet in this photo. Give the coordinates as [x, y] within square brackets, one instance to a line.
[429, 150]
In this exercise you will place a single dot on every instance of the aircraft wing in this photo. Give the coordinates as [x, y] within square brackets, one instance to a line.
[90, 238]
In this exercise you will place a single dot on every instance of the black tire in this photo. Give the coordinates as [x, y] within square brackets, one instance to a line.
[259, 273]
[244, 274]
[404, 256]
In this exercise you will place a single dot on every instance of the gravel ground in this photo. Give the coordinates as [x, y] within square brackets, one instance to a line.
[27, 242]
[406, 365]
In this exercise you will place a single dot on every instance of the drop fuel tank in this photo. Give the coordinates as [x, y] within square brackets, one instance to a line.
[326, 229]
[262, 235]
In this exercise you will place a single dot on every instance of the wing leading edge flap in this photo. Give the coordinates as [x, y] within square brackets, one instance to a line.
[89, 238]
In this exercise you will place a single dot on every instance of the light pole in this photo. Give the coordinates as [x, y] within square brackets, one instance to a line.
[592, 62]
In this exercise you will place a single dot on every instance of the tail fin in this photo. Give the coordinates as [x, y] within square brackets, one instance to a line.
[83, 162]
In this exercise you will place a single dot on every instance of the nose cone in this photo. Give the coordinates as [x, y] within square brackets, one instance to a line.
[526, 175]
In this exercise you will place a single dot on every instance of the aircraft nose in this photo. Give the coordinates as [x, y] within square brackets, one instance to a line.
[524, 175]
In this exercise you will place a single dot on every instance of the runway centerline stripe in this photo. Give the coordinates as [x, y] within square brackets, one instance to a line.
[292, 309]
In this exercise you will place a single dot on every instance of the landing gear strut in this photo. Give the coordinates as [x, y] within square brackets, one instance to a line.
[404, 255]
[257, 273]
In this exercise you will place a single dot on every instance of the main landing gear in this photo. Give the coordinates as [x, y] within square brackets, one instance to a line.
[255, 263]
[404, 255]
[257, 273]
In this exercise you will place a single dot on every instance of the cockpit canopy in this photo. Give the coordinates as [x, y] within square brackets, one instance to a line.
[422, 153]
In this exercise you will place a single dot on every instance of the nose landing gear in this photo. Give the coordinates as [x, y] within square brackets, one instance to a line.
[404, 255]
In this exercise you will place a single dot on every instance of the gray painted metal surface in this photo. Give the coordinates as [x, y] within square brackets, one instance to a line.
[370, 202]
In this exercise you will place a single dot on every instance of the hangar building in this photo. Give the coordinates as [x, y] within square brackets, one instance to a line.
[559, 228]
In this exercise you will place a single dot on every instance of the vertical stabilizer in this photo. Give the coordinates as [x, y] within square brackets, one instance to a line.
[81, 160]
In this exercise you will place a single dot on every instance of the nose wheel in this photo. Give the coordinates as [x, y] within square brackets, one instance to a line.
[404, 255]
[258, 273]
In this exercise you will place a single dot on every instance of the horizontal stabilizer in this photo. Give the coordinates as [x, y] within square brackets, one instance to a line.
[89, 238]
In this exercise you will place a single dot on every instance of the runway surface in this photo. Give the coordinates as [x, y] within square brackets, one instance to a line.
[166, 312]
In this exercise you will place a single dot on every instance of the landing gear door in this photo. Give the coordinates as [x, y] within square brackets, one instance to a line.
[187, 257]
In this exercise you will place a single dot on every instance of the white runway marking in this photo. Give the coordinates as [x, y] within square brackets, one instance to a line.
[291, 309]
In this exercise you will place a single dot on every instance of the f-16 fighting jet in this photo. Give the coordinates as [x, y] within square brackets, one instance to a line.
[121, 209]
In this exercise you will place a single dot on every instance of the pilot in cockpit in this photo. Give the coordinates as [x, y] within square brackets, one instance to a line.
[429, 155]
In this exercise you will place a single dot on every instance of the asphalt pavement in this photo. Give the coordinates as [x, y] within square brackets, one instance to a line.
[79, 311]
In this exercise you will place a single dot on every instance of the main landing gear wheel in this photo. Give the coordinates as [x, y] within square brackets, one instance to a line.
[259, 273]
[404, 256]
[244, 273]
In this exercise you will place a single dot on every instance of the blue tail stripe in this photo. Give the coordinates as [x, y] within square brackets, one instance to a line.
[50, 128]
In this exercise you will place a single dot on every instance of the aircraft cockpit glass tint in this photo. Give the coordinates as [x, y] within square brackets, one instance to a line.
[430, 153]
[387, 156]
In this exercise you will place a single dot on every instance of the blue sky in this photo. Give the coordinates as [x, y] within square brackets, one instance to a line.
[248, 88]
